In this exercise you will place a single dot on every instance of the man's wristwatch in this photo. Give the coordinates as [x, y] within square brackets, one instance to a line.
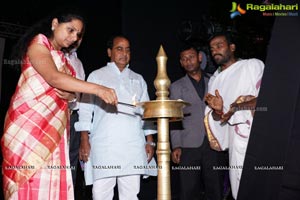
[151, 144]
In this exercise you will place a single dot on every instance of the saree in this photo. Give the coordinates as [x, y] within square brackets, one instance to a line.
[34, 144]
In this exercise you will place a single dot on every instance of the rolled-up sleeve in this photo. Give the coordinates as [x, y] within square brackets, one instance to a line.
[86, 110]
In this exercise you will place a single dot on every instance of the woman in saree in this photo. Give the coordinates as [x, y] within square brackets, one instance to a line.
[34, 143]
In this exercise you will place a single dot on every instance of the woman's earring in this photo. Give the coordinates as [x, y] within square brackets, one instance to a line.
[52, 28]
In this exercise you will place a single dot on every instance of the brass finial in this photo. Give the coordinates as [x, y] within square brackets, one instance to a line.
[163, 110]
[161, 52]
[162, 81]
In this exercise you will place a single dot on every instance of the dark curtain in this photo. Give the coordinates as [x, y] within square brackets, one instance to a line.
[272, 165]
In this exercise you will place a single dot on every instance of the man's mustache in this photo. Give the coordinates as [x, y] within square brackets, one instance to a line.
[217, 55]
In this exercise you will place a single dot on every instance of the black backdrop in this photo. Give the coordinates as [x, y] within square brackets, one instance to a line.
[150, 24]
[275, 135]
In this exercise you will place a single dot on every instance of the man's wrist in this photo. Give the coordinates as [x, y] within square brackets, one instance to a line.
[219, 112]
[176, 148]
[217, 115]
[84, 135]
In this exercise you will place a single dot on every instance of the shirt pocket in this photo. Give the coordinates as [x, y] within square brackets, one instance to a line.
[136, 90]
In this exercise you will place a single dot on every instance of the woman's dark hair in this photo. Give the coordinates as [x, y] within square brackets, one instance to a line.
[43, 27]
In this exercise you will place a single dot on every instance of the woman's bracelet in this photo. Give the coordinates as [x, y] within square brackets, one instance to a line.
[73, 100]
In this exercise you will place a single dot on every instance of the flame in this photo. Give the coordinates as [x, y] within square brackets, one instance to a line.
[134, 102]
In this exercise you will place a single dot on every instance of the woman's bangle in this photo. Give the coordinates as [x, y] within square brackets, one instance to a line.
[73, 100]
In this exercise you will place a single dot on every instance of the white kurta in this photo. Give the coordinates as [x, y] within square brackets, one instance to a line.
[80, 74]
[117, 134]
[241, 78]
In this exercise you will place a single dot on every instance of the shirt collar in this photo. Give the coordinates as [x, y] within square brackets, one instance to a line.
[115, 67]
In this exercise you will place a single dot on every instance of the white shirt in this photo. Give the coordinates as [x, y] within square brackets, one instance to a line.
[241, 78]
[117, 134]
[80, 74]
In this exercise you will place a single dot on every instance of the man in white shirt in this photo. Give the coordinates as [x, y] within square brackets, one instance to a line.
[113, 144]
[74, 107]
[231, 98]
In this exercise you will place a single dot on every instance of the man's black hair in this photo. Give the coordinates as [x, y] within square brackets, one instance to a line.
[110, 41]
[187, 47]
[228, 36]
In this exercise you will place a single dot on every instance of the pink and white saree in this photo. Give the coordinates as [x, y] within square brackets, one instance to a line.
[34, 143]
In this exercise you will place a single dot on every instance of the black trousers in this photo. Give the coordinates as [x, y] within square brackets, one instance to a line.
[199, 176]
[74, 146]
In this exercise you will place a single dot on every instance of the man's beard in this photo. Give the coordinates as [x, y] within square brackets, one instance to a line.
[222, 60]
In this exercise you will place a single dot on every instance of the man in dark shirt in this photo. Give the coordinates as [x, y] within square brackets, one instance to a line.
[198, 163]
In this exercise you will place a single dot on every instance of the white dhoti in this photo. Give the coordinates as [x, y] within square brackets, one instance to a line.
[241, 78]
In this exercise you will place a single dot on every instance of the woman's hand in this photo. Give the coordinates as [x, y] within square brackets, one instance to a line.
[108, 95]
